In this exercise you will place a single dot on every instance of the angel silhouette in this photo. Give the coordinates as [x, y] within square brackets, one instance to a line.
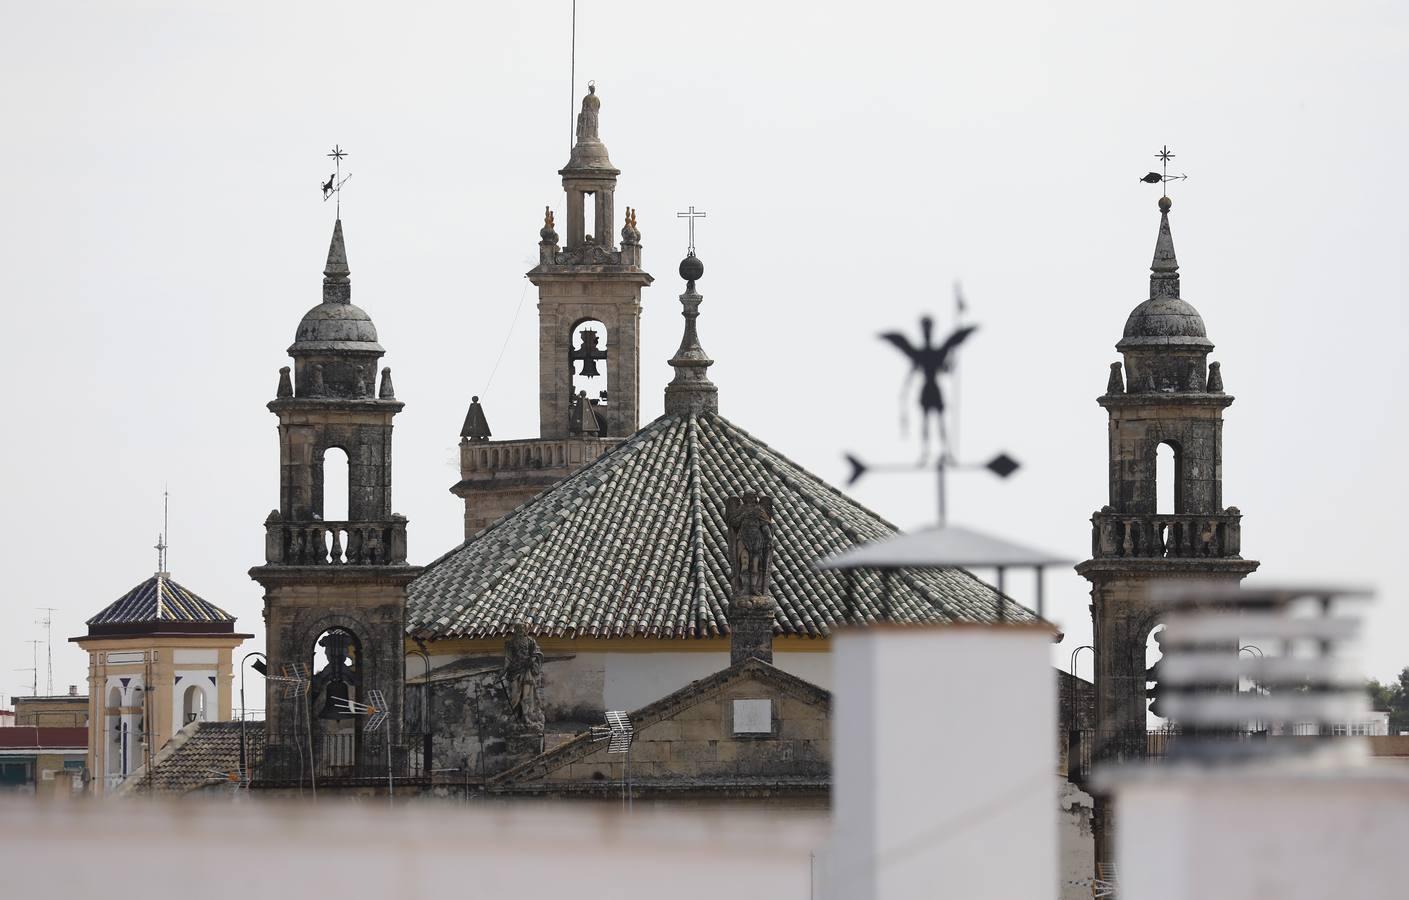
[930, 362]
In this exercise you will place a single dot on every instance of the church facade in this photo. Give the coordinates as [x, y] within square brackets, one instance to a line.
[664, 570]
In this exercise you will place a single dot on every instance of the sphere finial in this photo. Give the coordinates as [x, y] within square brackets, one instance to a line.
[691, 268]
[1165, 203]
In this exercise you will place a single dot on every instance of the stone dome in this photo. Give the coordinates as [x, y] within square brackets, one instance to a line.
[1164, 321]
[336, 326]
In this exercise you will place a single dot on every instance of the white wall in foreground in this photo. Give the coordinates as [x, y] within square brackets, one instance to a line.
[265, 849]
[1236, 833]
[944, 765]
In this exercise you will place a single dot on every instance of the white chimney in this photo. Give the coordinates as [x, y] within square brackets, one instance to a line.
[944, 763]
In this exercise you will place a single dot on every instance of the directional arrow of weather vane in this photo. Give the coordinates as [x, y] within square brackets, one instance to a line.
[937, 368]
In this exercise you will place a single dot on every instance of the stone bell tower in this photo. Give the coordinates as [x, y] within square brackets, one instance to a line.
[589, 311]
[1165, 394]
[334, 589]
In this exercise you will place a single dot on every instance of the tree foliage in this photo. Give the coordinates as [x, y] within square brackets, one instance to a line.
[1394, 698]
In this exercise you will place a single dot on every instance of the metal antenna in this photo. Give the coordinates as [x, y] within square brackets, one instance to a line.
[333, 186]
[48, 623]
[572, 83]
[376, 713]
[619, 734]
[161, 545]
[34, 645]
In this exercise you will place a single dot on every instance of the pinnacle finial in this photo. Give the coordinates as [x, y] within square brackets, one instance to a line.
[1164, 269]
[476, 427]
[337, 286]
[691, 392]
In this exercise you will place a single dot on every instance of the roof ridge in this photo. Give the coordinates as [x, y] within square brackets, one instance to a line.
[697, 575]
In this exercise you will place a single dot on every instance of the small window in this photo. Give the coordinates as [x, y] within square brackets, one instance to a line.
[753, 716]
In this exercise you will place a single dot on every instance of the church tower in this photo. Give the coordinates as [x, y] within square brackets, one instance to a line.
[1166, 399]
[334, 580]
[589, 311]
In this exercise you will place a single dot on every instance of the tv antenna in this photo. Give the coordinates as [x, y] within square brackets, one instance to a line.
[376, 713]
[295, 678]
[48, 623]
[34, 669]
[619, 734]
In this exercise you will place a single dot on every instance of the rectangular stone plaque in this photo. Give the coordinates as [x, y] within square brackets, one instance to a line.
[753, 716]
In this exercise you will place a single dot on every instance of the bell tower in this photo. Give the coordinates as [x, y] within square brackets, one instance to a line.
[334, 581]
[589, 312]
[1166, 400]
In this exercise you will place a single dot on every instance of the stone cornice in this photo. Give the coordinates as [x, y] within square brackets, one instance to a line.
[335, 404]
[1127, 401]
[1166, 568]
[287, 576]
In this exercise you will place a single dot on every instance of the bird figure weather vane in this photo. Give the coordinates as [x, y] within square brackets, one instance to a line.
[931, 362]
[333, 186]
[1162, 176]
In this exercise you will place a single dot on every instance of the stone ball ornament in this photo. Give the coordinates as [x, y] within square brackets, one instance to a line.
[691, 268]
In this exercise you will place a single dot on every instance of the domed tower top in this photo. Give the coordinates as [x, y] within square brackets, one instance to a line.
[1164, 320]
[1165, 343]
[335, 349]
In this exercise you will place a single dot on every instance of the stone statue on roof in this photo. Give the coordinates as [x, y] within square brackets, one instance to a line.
[523, 672]
[750, 521]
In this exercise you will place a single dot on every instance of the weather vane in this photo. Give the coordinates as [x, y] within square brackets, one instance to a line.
[692, 216]
[1162, 176]
[333, 186]
[931, 362]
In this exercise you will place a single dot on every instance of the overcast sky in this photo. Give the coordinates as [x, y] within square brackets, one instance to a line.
[161, 234]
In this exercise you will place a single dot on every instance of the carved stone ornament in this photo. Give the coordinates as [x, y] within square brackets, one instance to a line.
[523, 674]
[750, 521]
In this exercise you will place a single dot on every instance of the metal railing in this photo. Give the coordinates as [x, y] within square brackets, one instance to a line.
[341, 758]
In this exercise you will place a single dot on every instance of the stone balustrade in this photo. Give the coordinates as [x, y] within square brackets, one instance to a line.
[335, 543]
[1181, 536]
[488, 457]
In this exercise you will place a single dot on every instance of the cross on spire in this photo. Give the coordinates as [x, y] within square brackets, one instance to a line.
[692, 216]
[333, 186]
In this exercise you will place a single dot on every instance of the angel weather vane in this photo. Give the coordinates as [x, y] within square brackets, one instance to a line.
[931, 363]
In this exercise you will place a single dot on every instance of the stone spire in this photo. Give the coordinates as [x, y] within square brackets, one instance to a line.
[1164, 270]
[337, 286]
[691, 392]
[476, 427]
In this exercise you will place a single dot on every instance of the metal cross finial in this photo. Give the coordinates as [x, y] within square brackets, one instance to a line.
[333, 186]
[1163, 176]
[692, 216]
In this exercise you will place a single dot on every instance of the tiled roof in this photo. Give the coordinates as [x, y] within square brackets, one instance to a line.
[201, 755]
[634, 544]
[159, 599]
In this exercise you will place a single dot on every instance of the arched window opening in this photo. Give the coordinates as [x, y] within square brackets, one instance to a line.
[589, 218]
[1167, 499]
[335, 485]
[193, 704]
[124, 749]
[114, 697]
[1154, 652]
[587, 359]
[337, 682]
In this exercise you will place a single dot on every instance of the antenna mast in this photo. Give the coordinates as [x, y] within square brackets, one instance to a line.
[572, 83]
[48, 623]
